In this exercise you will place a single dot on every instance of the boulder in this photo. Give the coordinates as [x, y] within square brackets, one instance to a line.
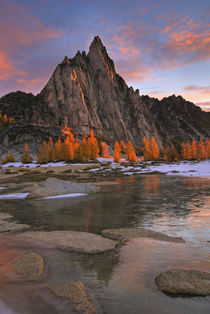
[30, 266]
[124, 235]
[182, 281]
[74, 241]
[53, 186]
[77, 293]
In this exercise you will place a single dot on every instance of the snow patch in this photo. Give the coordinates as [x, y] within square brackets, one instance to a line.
[62, 196]
[13, 196]
[184, 168]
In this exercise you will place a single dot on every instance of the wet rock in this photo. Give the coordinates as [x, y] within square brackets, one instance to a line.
[30, 266]
[77, 293]
[4, 216]
[181, 281]
[125, 235]
[74, 241]
[6, 226]
[53, 186]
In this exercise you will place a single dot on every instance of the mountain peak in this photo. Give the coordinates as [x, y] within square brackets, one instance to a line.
[97, 45]
[97, 41]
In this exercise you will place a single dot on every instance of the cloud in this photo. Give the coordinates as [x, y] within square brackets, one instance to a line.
[20, 30]
[204, 105]
[181, 41]
[30, 83]
[23, 28]
[201, 89]
[7, 68]
[133, 70]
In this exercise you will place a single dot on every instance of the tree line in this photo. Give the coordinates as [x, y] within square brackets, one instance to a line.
[72, 149]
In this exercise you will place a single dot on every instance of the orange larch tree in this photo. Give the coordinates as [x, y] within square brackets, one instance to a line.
[93, 146]
[130, 153]
[50, 150]
[105, 150]
[155, 153]
[42, 156]
[26, 158]
[146, 150]
[194, 150]
[117, 152]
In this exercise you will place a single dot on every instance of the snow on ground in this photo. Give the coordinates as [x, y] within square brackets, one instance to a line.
[2, 188]
[184, 168]
[62, 196]
[13, 196]
[104, 160]
[94, 169]
[49, 164]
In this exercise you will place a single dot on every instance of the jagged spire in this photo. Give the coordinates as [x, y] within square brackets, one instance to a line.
[99, 57]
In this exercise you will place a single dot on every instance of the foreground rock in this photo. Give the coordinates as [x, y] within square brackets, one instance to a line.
[6, 226]
[74, 241]
[30, 266]
[77, 293]
[125, 235]
[181, 281]
[53, 186]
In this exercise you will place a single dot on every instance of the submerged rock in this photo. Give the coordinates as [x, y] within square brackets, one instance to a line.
[125, 235]
[182, 281]
[30, 266]
[4, 216]
[6, 226]
[53, 186]
[74, 241]
[77, 293]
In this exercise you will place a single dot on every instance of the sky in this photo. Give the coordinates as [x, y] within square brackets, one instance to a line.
[161, 47]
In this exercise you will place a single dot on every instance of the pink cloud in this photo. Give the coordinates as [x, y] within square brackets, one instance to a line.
[23, 28]
[204, 105]
[30, 83]
[133, 70]
[201, 89]
[7, 68]
[19, 29]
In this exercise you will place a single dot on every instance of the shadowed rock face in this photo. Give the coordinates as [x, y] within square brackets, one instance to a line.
[86, 93]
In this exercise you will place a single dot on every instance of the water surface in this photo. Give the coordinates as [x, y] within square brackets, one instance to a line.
[121, 281]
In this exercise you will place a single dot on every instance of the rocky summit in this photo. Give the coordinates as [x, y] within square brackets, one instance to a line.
[86, 93]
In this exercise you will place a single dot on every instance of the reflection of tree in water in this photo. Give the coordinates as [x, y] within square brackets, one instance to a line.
[102, 264]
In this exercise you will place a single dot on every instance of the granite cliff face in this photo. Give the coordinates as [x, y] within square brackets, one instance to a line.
[86, 93]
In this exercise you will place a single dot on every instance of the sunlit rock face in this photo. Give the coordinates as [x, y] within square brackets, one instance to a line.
[86, 93]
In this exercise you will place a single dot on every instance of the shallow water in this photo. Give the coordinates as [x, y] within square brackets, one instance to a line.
[121, 281]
